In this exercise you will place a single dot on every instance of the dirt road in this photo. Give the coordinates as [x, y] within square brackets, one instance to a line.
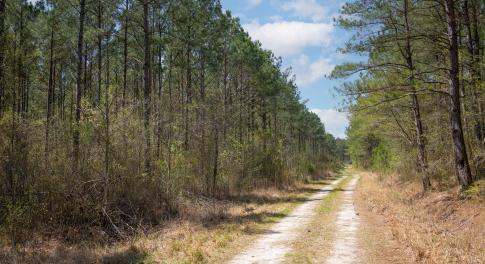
[273, 246]
[345, 246]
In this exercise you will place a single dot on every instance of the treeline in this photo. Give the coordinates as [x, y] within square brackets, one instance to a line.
[418, 103]
[112, 111]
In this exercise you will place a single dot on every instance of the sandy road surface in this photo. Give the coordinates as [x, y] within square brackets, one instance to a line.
[345, 249]
[274, 245]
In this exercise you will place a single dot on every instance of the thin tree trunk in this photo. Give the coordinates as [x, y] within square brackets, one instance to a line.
[49, 93]
[61, 96]
[216, 160]
[100, 53]
[147, 85]
[202, 77]
[87, 90]
[77, 115]
[159, 95]
[54, 98]
[473, 44]
[420, 138]
[477, 68]
[3, 4]
[459, 147]
[224, 128]
[188, 91]
[241, 95]
[107, 135]
[21, 76]
[170, 128]
[420, 143]
[125, 53]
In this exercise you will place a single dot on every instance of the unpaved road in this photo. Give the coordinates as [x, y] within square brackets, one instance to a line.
[345, 246]
[273, 246]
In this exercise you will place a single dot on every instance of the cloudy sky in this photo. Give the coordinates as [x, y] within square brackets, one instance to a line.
[302, 32]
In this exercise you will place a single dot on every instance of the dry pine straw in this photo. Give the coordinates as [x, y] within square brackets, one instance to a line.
[436, 227]
[209, 231]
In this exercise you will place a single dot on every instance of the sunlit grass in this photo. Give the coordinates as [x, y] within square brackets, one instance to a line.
[328, 201]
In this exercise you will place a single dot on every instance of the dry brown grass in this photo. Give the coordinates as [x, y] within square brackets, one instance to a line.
[436, 227]
[207, 231]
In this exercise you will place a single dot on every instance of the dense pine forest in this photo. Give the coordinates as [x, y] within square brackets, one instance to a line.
[417, 105]
[111, 112]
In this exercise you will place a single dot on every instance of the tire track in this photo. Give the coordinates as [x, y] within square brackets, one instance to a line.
[272, 247]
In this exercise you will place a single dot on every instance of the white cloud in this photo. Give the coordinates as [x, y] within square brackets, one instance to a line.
[253, 3]
[335, 122]
[276, 18]
[287, 38]
[306, 9]
[308, 72]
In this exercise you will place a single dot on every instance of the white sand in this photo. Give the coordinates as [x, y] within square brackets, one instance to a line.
[273, 246]
[345, 246]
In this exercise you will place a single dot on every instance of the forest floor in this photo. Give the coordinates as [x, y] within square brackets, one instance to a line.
[357, 217]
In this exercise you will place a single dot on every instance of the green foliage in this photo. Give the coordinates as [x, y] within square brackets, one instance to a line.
[16, 220]
[400, 103]
[381, 158]
[477, 189]
[225, 117]
[367, 143]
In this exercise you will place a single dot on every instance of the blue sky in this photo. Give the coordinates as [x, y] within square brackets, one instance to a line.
[302, 32]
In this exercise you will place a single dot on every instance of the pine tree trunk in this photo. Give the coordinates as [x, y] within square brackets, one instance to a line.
[461, 157]
[49, 93]
[477, 68]
[61, 96]
[77, 114]
[188, 102]
[125, 54]
[241, 97]
[147, 86]
[2, 55]
[420, 143]
[224, 128]
[420, 138]
[107, 135]
[159, 95]
[21, 70]
[473, 41]
[170, 114]
[216, 159]
[100, 54]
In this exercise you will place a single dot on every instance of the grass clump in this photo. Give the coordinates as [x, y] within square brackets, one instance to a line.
[330, 198]
[476, 189]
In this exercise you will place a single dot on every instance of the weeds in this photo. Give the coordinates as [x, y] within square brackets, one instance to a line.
[329, 200]
[207, 230]
[437, 227]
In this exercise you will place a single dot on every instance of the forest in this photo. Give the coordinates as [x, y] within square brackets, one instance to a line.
[161, 131]
[112, 111]
[416, 110]
[417, 104]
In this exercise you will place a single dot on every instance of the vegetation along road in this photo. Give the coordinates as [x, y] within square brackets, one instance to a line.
[242, 131]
